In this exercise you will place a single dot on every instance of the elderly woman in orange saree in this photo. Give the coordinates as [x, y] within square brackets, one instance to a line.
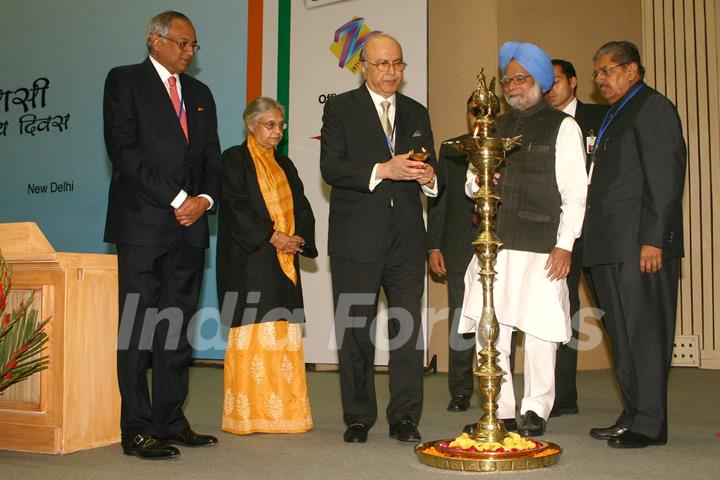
[264, 223]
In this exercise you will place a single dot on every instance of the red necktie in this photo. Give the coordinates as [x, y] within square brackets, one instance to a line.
[175, 99]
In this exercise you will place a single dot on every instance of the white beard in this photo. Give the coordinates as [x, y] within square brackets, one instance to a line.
[523, 102]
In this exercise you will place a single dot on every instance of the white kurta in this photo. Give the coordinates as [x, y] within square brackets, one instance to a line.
[524, 297]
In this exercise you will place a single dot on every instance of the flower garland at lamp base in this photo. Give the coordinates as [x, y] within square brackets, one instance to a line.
[22, 338]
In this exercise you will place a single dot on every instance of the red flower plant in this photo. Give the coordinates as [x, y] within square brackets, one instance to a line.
[22, 338]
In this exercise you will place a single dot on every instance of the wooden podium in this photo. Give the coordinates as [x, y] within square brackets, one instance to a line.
[75, 403]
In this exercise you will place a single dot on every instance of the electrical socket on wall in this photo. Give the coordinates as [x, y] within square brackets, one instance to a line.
[686, 351]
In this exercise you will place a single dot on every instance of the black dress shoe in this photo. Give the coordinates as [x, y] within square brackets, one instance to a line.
[405, 431]
[356, 432]
[510, 426]
[188, 438]
[607, 433]
[531, 425]
[567, 409]
[148, 447]
[633, 440]
[459, 403]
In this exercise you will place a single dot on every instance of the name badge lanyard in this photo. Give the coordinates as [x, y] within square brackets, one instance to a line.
[607, 121]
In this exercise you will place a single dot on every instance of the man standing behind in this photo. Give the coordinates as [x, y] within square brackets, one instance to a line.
[377, 236]
[542, 190]
[161, 137]
[634, 239]
[451, 230]
[588, 116]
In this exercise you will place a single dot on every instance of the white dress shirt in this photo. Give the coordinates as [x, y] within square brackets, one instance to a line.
[377, 101]
[164, 76]
[521, 286]
[571, 107]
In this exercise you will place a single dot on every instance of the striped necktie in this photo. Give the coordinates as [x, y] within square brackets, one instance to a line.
[179, 108]
[385, 120]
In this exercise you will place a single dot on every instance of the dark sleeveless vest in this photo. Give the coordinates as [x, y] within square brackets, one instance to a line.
[529, 213]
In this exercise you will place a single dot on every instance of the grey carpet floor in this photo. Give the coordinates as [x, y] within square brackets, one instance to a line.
[693, 451]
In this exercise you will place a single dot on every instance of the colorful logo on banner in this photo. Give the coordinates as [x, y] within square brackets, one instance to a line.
[348, 42]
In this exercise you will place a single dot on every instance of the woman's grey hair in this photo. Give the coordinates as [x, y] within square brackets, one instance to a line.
[259, 107]
[621, 52]
[160, 24]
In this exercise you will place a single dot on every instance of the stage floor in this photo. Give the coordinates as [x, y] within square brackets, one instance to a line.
[693, 450]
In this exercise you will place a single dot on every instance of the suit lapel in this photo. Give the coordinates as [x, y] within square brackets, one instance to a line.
[580, 113]
[626, 116]
[162, 100]
[368, 116]
[402, 137]
[191, 107]
[583, 118]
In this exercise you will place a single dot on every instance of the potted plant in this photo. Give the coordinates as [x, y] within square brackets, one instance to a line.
[22, 338]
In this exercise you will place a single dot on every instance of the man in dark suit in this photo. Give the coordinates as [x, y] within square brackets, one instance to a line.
[161, 137]
[377, 236]
[589, 117]
[451, 230]
[633, 239]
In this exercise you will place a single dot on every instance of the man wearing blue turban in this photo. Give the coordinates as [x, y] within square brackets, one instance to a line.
[543, 188]
[532, 58]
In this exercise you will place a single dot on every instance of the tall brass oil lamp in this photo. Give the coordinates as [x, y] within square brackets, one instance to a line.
[486, 153]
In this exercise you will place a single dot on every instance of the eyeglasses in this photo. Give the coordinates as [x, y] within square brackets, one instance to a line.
[384, 65]
[517, 80]
[183, 44]
[274, 125]
[603, 72]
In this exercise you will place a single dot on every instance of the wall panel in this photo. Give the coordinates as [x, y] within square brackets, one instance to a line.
[680, 55]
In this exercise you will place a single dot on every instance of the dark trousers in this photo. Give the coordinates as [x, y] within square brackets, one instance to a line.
[355, 294]
[567, 354]
[462, 346]
[166, 279]
[639, 318]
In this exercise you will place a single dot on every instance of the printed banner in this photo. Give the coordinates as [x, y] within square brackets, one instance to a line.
[327, 63]
[319, 3]
[54, 169]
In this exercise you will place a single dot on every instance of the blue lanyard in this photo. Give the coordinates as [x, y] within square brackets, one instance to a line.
[612, 113]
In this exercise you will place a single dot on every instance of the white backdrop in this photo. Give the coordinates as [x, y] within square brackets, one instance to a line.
[315, 74]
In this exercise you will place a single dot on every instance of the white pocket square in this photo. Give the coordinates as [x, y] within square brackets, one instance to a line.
[417, 133]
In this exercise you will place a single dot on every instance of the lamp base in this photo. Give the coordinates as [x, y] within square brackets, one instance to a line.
[436, 454]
